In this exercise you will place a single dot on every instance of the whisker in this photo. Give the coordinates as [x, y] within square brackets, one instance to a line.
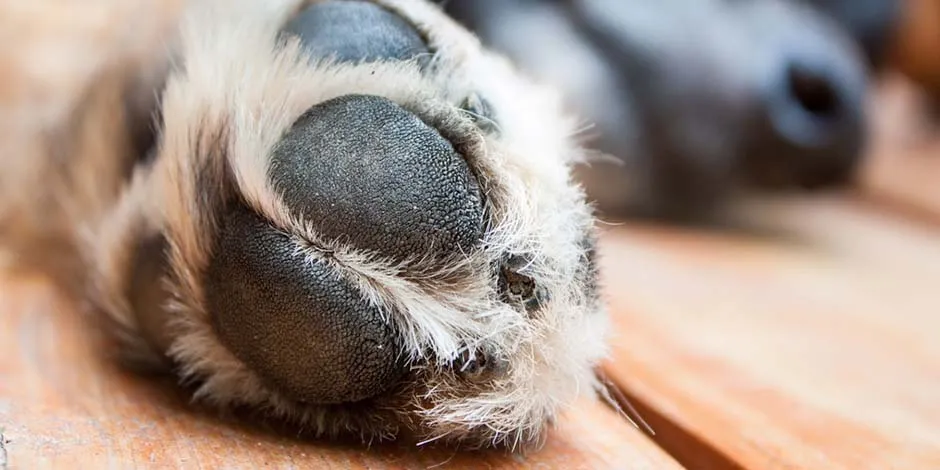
[615, 401]
[430, 440]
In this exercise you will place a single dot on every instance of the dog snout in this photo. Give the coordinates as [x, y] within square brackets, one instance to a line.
[807, 128]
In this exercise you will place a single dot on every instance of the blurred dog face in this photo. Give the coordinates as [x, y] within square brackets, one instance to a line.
[356, 219]
[697, 100]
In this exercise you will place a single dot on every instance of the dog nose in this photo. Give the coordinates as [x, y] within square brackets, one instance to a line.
[810, 122]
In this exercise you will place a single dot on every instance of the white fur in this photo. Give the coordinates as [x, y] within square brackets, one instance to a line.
[233, 94]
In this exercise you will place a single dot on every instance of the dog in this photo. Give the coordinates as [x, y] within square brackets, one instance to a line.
[348, 216]
[701, 103]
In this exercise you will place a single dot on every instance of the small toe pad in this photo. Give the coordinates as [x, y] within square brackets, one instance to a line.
[355, 31]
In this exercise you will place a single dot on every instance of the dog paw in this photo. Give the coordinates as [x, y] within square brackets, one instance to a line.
[360, 221]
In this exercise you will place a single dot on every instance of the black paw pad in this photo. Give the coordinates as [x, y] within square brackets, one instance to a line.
[355, 31]
[295, 321]
[365, 171]
[517, 288]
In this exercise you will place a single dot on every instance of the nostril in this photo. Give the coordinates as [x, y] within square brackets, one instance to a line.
[814, 92]
[810, 128]
[812, 106]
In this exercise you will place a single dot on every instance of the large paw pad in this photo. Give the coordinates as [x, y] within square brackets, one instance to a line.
[364, 170]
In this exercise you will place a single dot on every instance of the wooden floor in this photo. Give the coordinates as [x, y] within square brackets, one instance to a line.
[811, 344]
[61, 406]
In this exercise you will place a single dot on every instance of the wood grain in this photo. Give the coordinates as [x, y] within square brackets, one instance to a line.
[915, 50]
[902, 168]
[63, 406]
[814, 347]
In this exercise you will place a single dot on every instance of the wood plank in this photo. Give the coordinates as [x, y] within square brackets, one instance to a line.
[902, 168]
[812, 348]
[62, 406]
[914, 47]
